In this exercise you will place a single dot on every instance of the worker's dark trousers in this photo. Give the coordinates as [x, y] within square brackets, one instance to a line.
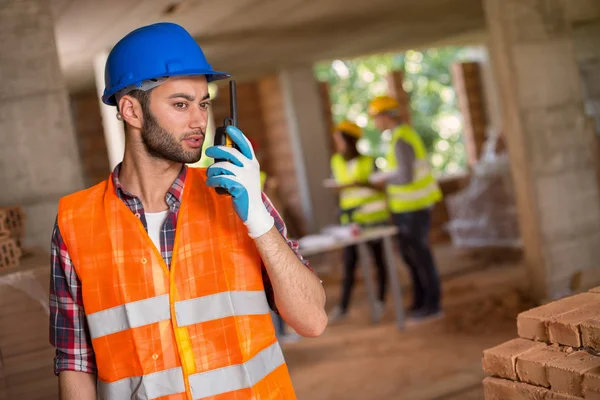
[414, 246]
[350, 262]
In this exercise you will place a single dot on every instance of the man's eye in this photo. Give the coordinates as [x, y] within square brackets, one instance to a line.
[205, 105]
[180, 105]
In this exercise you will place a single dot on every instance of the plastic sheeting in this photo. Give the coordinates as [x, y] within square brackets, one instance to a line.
[484, 214]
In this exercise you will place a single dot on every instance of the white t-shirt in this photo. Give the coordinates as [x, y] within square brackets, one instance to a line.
[155, 222]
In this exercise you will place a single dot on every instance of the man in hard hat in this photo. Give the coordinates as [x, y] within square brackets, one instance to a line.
[411, 192]
[160, 286]
[359, 203]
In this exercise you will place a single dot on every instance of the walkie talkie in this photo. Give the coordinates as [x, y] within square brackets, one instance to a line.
[221, 137]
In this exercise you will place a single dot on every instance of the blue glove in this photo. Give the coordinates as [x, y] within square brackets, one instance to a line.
[240, 176]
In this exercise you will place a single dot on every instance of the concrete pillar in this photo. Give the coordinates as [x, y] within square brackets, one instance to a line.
[114, 131]
[309, 137]
[550, 142]
[395, 89]
[467, 82]
[327, 114]
[39, 162]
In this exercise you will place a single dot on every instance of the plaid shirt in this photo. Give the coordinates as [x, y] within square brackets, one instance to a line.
[68, 325]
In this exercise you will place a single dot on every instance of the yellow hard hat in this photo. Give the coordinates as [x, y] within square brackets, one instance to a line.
[382, 104]
[350, 128]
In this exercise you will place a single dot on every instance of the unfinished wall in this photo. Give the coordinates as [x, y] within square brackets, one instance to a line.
[551, 145]
[467, 81]
[395, 89]
[280, 150]
[39, 161]
[327, 114]
[89, 133]
[586, 37]
[309, 136]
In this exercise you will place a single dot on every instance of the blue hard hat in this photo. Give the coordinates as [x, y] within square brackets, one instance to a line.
[151, 52]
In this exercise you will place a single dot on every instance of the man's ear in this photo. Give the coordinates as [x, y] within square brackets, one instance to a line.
[131, 111]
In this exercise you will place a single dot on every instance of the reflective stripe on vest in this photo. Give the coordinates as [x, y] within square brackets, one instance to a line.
[357, 198]
[263, 179]
[188, 312]
[202, 385]
[423, 191]
[151, 386]
[236, 377]
[375, 206]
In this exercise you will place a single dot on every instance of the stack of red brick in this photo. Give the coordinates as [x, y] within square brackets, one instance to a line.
[12, 227]
[556, 357]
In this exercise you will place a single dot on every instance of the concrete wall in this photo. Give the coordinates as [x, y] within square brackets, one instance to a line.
[586, 38]
[39, 160]
[551, 144]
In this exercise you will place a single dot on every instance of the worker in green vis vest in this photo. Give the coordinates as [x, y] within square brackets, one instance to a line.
[412, 192]
[359, 203]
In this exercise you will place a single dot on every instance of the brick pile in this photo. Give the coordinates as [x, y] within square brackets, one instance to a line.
[556, 356]
[12, 228]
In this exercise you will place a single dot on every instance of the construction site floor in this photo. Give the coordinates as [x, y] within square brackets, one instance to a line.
[356, 360]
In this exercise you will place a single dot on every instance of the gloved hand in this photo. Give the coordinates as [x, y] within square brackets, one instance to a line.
[240, 176]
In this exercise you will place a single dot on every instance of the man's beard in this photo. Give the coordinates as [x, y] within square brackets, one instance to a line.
[159, 143]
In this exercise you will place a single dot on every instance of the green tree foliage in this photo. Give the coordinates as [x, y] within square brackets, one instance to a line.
[428, 82]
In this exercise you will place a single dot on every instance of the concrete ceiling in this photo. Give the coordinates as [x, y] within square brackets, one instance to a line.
[252, 37]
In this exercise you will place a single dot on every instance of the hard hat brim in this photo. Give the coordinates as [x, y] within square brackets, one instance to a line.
[108, 98]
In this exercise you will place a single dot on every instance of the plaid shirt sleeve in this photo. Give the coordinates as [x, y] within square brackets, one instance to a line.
[291, 243]
[68, 326]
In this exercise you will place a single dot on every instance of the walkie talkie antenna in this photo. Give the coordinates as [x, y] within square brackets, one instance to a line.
[221, 137]
[233, 103]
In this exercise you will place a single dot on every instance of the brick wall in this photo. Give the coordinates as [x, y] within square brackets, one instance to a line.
[557, 354]
[87, 122]
[395, 89]
[261, 116]
[468, 85]
[250, 118]
[280, 152]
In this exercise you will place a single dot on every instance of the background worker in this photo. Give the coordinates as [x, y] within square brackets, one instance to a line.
[411, 192]
[160, 287]
[359, 203]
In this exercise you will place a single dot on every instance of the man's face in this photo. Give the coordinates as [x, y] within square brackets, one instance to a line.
[175, 121]
[339, 142]
[381, 122]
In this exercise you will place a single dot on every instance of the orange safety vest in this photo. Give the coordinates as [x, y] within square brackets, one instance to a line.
[201, 330]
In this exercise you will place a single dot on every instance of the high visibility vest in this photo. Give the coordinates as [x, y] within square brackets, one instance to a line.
[263, 179]
[369, 205]
[199, 330]
[423, 191]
